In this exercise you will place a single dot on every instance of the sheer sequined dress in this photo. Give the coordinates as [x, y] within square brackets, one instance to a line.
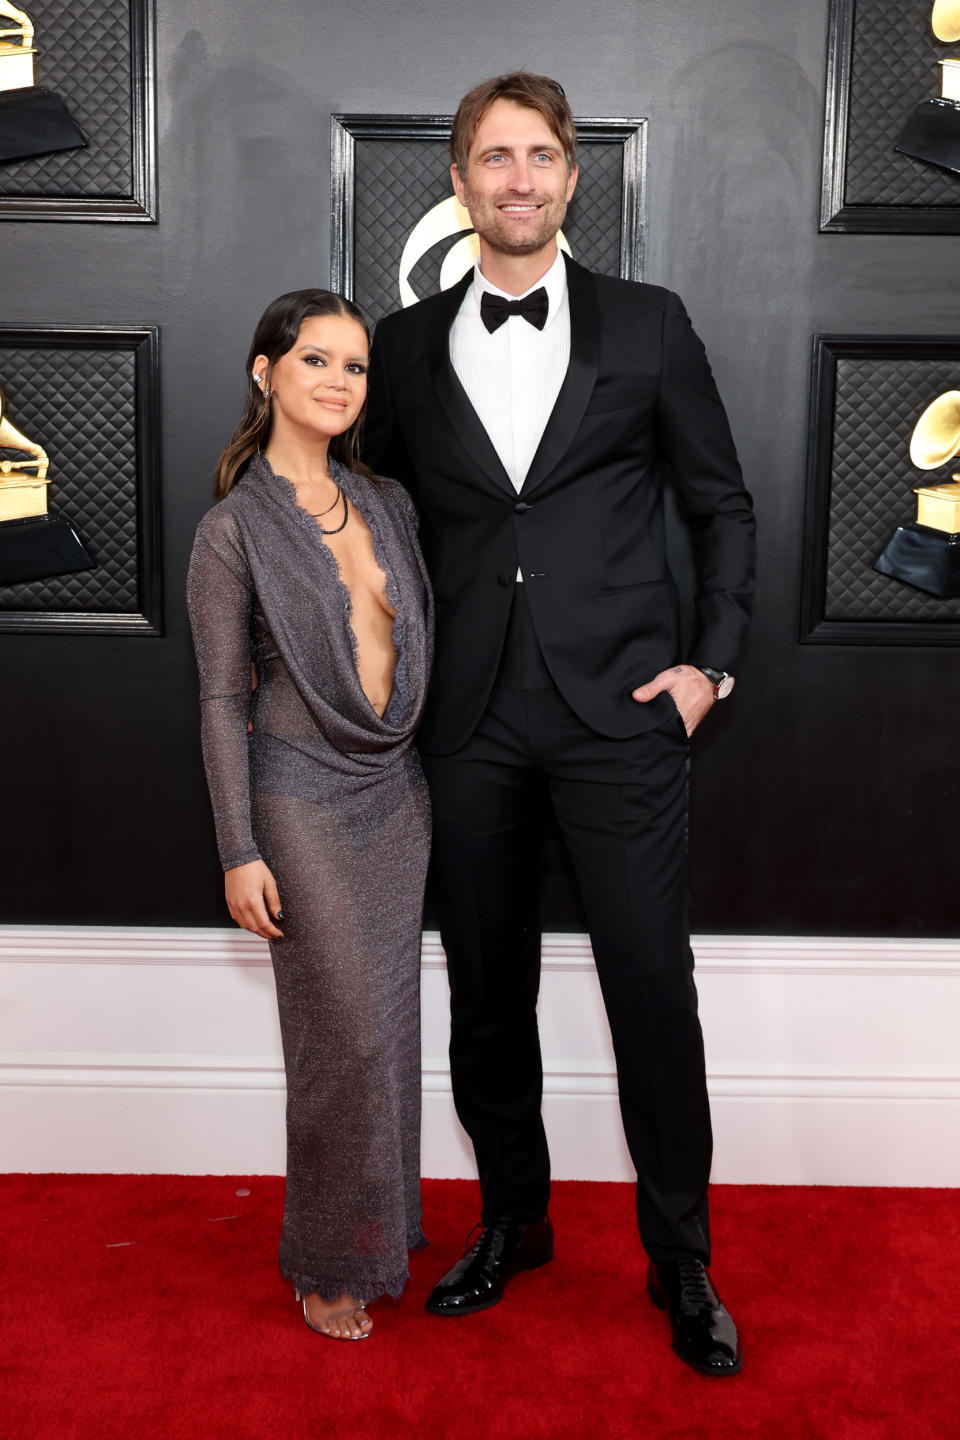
[331, 796]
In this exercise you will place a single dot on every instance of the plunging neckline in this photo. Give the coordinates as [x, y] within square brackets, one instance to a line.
[390, 591]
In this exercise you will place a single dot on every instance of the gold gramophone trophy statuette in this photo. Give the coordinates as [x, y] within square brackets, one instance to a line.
[34, 544]
[932, 133]
[32, 121]
[927, 552]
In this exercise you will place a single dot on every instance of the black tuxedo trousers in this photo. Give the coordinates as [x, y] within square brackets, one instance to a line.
[621, 807]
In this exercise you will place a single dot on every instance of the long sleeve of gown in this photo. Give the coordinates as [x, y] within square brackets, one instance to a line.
[220, 602]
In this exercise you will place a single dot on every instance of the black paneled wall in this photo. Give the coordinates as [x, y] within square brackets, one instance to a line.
[825, 790]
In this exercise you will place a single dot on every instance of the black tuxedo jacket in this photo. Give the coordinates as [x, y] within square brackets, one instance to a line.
[587, 527]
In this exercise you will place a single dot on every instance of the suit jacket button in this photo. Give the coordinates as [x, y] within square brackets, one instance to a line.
[521, 508]
[503, 580]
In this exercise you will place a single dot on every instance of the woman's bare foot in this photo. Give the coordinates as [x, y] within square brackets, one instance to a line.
[341, 1319]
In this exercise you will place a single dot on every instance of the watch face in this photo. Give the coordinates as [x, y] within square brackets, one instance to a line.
[725, 687]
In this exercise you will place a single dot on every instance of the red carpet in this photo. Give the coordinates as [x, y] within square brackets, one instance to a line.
[129, 1309]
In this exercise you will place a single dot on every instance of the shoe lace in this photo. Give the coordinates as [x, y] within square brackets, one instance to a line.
[694, 1285]
[468, 1243]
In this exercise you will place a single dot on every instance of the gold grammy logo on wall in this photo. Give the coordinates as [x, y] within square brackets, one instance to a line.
[926, 553]
[442, 221]
[935, 440]
[32, 120]
[16, 49]
[946, 26]
[946, 20]
[34, 544]
[22, 495]
[932, 133]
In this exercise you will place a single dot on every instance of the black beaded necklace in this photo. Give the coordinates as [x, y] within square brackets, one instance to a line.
[346, 513]
[340, 495]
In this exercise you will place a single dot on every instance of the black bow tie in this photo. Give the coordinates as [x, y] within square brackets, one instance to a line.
[495, 310]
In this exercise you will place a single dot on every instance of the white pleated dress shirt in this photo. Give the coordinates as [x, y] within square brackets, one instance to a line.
[513, 376]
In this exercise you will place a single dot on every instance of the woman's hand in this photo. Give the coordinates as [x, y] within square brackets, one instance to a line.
[252, 897]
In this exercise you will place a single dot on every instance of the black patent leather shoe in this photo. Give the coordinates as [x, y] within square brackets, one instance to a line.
[704, 1334]
[479, 1279]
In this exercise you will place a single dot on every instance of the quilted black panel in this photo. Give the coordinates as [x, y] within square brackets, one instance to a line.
[593, 218]
[398, 180]
[79, 404]
[878, 402]
[894, 67]
[84, 56]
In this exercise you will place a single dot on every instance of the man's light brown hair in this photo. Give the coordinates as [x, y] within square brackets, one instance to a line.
[536, 92]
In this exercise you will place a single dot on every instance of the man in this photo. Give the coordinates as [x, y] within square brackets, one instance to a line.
[529, 410]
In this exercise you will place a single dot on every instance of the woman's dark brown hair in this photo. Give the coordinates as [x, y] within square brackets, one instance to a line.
[276, 333]
[536, 92]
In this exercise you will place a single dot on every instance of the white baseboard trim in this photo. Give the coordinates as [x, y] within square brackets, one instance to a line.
[718, 954]
[829, 1060]
[584, 1080]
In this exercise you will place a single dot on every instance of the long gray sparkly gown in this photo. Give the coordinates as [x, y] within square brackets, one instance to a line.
[331, 796]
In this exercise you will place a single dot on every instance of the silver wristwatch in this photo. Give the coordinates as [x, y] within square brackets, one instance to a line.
[721, 681]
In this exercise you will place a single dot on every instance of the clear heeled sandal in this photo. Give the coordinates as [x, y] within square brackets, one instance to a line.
[359, 1310]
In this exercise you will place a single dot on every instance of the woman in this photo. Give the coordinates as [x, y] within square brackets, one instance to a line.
[312, 623]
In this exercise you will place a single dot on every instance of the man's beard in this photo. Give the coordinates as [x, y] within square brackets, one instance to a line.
[496, 232]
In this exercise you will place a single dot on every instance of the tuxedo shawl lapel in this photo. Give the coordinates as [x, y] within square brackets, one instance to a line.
[467, 425]
[580, 378]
